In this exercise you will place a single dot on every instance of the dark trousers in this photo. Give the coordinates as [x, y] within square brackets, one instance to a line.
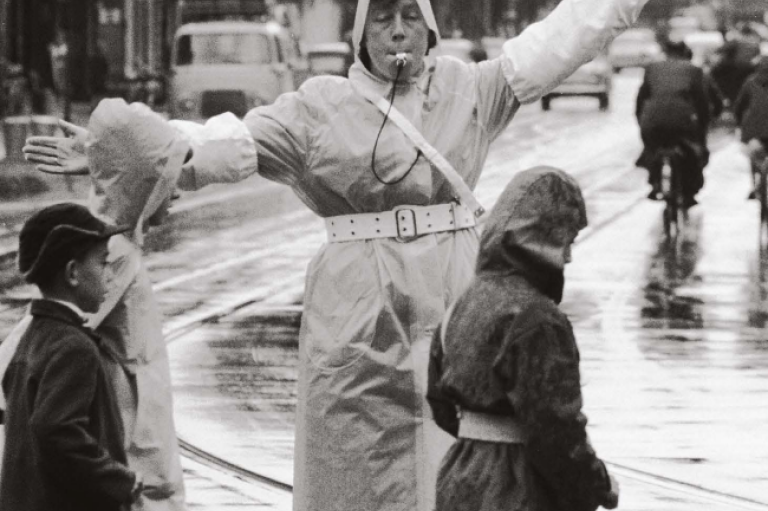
[693, 156]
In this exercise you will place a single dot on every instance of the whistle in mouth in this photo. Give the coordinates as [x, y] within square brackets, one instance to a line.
[401, 59]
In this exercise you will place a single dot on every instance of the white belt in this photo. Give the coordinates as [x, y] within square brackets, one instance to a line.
[491, 428]
[403, 222]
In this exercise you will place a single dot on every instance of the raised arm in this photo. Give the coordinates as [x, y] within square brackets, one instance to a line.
[223, 151]
[573, 34]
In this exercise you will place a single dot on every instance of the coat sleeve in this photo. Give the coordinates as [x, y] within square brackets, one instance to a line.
[540, 370]
[282, 131]
[443, 409]
[59, 423]
[223, 151]
[573, 34]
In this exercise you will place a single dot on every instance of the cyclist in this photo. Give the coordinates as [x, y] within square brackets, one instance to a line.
[673, 107]
[751, 112]
[730, 72]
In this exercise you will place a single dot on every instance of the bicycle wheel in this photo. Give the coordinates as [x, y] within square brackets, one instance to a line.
[762, 188]
[668, 189]
[680, 210]
[672, 196]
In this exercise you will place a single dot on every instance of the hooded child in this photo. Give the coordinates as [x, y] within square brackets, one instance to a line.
[504, 367]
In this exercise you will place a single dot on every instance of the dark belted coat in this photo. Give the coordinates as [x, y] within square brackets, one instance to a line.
[508, 350]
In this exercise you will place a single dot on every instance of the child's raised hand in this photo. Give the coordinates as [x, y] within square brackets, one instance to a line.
[59, 155]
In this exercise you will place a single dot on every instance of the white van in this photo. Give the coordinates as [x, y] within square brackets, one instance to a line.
[231, 66]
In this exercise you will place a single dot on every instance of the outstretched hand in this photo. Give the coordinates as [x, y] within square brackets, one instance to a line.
[59, 155]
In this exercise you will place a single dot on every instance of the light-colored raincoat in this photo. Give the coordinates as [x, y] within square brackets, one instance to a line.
[135, 159]
[365, 439]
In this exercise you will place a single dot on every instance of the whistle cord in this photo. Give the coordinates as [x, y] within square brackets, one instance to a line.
[376, 144]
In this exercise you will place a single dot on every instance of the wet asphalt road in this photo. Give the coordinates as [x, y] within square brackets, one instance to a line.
[672, 336]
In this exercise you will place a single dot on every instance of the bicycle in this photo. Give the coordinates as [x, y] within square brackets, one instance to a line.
[672, 191]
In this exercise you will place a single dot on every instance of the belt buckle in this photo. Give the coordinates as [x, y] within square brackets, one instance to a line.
[401, 217]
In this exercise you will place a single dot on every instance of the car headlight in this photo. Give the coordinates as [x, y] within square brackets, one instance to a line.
[255, 100]
[186, 105]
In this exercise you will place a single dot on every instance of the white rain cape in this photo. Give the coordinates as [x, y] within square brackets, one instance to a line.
[135, 159]
[365, 439]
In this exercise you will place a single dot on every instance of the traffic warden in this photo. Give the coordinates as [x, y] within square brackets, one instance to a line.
[506, 360]
[388, 157]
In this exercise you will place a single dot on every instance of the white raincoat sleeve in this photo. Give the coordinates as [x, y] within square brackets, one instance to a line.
[223, 151]
[573, 34]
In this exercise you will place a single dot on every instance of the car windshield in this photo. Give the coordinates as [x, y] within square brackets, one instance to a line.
[222, 49]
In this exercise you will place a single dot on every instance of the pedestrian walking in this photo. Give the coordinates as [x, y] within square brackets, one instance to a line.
[504, 366]
[388, 157]
[64, 446]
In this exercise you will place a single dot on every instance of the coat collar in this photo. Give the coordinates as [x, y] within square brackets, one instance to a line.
[55, 310]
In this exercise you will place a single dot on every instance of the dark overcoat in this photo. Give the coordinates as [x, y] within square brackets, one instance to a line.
[674, 97]
[64, 435]
[508, 350]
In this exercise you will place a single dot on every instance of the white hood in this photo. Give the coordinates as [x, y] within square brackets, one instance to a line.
[362, 13]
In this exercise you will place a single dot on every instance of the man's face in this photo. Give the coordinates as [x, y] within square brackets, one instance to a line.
[90, 274]
[392, 27]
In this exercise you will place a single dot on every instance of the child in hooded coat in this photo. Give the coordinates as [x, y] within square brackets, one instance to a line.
[504, 368]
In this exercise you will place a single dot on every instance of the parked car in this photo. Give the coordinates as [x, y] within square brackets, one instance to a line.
[593, 79]
[330, 58]
[637, 47]
[232, 66]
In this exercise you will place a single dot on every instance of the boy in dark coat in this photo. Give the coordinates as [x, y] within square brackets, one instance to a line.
[64, 435]
[507, 361]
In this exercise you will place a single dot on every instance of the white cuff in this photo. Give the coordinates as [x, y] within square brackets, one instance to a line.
[223, 151]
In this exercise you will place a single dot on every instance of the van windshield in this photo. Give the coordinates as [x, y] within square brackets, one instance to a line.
[222, 49]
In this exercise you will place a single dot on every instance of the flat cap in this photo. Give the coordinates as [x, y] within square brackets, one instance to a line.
[55, 235]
